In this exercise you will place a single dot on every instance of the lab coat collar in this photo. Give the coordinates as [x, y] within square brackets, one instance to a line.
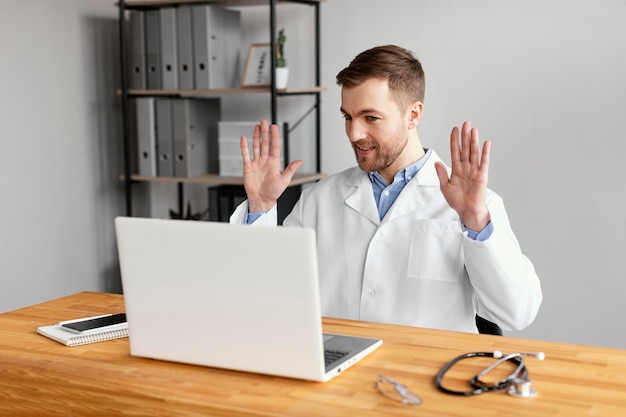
[360, 193]
[427, 175]
[416, 194]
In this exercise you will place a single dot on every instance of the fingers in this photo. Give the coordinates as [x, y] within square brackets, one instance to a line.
[468, 150]
[455, 150]
[256, 142]
[275, 141]
[245, 152]
[484, 160]
[292, 168]
[265, 140]
[474, 149]
[442, 173]
[466, 132]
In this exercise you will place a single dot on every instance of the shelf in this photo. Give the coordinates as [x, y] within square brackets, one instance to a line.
[149, 4]
[225, 91]
[214, 179]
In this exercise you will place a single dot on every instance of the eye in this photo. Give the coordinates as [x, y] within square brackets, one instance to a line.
[372, 119]
[346, 117]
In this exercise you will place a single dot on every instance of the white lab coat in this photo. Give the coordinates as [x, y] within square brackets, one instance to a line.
[416, 267]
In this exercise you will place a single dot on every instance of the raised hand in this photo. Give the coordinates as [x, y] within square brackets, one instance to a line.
[466, 188]
[263, 176]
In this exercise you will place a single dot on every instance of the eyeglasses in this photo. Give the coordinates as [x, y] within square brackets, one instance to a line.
[396, 391]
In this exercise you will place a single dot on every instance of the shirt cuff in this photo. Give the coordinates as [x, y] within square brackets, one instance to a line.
[482, 235]
[252, 217]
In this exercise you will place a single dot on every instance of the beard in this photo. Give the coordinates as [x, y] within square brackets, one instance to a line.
[382, 156]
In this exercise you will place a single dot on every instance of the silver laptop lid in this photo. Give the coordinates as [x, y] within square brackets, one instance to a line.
[231, 296]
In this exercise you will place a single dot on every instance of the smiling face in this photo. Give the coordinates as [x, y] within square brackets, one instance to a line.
[383, 135]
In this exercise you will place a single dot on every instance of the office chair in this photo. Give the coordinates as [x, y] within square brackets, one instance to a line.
[487, 327]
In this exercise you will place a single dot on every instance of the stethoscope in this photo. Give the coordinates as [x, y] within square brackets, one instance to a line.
[517, 382]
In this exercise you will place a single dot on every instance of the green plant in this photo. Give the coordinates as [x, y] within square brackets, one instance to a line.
[281, 62]
[189, 215]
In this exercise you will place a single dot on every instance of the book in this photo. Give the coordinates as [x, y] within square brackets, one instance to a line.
[55, 332]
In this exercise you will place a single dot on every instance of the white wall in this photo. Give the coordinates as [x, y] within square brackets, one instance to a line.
[544, 80]
[59, 133]
[541, 79]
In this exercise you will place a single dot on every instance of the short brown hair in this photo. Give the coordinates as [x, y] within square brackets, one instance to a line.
[397, 65]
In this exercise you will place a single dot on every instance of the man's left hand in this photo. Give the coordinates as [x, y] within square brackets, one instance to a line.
[466, 187]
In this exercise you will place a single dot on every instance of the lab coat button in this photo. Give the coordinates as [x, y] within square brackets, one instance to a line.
[371, 293]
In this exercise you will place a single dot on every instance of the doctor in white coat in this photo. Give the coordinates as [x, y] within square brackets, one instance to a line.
[401, 238]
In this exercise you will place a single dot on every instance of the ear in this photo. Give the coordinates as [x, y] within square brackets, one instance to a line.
[415, 114]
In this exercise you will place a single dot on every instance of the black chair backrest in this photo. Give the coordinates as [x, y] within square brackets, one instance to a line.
[487, 327]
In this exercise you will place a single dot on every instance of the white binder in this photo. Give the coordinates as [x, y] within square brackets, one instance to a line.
[153, 60]
[216, 43]
[231, 67]
[167, 48]
[146, 138]
[136, 52]
[195, 124]
[185, 48]
[164, 137]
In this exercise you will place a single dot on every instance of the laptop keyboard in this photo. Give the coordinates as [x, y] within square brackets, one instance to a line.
[331, 356]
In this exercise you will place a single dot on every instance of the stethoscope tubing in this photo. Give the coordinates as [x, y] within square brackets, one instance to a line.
[478, 386]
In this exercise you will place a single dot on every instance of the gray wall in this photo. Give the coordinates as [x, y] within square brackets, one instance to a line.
[59, 131]
[541, 79]
[544, 80]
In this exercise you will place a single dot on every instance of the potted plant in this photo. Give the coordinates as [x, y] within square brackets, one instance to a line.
[282, 72]
[189, 215]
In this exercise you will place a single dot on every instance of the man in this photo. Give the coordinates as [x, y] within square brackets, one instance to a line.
[401, 239]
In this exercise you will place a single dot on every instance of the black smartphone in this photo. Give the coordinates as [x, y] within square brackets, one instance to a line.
[96, 324]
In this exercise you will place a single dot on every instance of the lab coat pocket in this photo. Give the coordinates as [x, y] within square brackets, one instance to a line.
[435, 251]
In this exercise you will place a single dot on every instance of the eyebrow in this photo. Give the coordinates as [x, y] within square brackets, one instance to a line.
[360, 112]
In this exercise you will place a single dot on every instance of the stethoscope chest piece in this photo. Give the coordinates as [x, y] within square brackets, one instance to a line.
[521, 388]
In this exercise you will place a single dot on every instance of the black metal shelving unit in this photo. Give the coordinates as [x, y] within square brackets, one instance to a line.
[227, 183]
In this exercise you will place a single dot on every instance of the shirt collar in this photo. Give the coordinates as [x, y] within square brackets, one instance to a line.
[406, 174]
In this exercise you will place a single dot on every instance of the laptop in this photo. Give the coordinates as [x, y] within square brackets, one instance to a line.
[238, 297]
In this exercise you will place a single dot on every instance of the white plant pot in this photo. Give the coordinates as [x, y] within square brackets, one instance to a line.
[282, 75]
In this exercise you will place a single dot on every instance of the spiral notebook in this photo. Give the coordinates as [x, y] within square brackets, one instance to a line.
[55, 332]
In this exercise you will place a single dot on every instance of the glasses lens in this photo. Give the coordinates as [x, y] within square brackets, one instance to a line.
[396, 391]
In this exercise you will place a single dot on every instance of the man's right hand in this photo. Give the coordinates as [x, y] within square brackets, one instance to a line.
[263, 176]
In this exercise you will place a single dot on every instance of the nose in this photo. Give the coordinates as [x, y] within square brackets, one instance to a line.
[355, 130]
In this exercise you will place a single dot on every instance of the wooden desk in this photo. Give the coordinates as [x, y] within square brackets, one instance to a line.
[41, 377]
